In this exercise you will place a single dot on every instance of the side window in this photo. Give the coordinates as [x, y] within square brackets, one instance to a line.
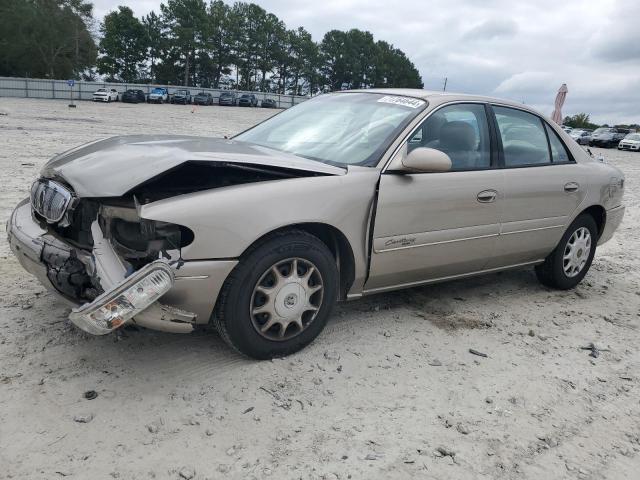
[559, 153]
[523, 139]
[461, 131]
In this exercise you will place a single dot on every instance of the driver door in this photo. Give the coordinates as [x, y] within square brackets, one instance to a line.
[431, 226]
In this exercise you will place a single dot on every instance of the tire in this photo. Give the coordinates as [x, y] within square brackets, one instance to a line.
[243, 305]
[553, 272]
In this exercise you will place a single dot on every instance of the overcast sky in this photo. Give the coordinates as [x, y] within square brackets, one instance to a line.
[522, 50]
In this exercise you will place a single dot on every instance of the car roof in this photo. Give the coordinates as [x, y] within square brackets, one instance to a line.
[436, 98]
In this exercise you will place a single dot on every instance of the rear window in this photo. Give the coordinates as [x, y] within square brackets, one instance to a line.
[524, 141]
[559, 153]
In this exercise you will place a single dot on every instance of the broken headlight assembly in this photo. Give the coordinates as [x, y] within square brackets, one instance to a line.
[114, 308]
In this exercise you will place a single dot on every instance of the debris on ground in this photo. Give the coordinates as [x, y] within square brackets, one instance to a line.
[90, 394]
[83, 418]
[187, 473]
[594, 351]
[476, 352]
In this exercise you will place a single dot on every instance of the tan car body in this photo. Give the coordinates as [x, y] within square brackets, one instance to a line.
[387, 230]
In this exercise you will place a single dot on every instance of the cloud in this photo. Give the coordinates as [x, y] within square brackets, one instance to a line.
[492, 29]
[526, 83]
[613, 41]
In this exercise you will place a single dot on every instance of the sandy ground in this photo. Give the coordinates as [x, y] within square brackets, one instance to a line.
[389, 390]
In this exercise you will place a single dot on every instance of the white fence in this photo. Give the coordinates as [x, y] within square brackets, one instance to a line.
[59, 89]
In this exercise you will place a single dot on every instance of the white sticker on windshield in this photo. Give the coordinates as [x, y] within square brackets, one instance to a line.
[404, 101]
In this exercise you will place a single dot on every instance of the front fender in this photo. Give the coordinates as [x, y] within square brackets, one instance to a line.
[226, 221]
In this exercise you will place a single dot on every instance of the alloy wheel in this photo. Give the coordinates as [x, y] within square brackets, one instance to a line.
[576, 252]
[286, 299]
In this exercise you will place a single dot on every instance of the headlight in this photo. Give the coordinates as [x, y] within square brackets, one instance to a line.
[115, 307]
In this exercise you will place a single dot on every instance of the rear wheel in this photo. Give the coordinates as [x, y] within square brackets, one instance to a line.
[279, 297]
[567, 265]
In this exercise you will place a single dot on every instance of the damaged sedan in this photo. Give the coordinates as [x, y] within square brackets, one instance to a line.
[344, 195]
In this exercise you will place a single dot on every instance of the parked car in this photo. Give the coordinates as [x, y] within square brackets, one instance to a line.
[181, 96]
[203, 98]
[567, 128]
[248, 100]
[269, 103]
[392, 189]
[607, 137]
[227, 98]
[105, 95]
[630, 142]
[133, 96]
[158, 95]
[581, 136]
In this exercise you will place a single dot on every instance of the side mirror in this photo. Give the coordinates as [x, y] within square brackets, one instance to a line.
[423, 159]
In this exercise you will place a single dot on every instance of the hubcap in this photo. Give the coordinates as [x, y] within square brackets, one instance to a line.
[286, 299]
[576, 252]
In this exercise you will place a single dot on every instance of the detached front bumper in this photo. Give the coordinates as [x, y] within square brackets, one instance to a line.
[189, 300]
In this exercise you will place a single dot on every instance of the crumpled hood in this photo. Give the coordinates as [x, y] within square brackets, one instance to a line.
[114, 166]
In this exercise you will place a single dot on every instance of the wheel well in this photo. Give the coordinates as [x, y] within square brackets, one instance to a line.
[599, 214]
[336, 242]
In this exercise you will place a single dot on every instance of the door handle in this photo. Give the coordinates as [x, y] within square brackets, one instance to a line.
[487, 196]
[571, 187]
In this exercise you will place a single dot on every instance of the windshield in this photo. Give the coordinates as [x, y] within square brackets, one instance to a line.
[601, 130]
[339, 129]
[101, 90]
[633, 136]
[157, 90]
[181, 92]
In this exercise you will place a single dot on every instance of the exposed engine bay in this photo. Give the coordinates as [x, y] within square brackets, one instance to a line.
[136, 241]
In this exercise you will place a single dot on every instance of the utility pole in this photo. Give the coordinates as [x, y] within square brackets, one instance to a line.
[444, 88]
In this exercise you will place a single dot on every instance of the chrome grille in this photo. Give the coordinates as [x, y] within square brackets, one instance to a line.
[50, 199]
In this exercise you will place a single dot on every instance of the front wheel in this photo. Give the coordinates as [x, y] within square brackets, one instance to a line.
[567, 265]
[279, 297]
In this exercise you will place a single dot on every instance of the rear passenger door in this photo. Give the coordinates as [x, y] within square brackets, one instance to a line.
[543, 187]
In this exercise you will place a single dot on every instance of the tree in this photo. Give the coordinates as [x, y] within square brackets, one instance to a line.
[269, 33]
[186, 21]
[156, 41]
[218, 33]
[46, 38]
[353, 60]
[194, 44]
[579, 120]
[335, 66]
[394, 69]
[247, 21]
[305, 61]
[123, 48]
